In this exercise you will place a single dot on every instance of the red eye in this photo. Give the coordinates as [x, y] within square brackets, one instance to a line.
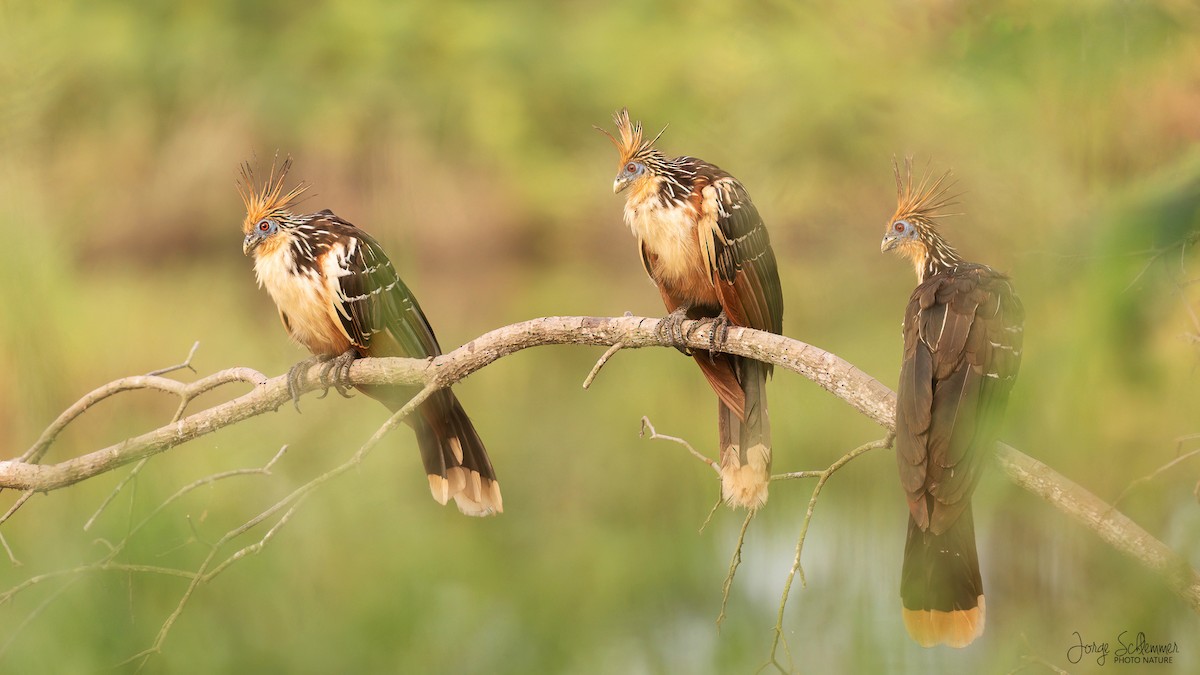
[630, 168]
[264, 225]
[898, 226]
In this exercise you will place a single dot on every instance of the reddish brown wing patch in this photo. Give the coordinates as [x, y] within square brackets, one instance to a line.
[717, 369]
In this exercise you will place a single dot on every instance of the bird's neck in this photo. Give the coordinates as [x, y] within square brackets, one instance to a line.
[935, 256]
[666, 181]
[292, 251]
[275, 260]
[675, 181]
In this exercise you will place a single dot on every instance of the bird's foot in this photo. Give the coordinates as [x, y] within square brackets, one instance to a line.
[670, 330]
[295, 377]
[336, 373]
[718, 332]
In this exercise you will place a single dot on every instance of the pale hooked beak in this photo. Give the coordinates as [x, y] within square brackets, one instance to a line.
[889, 242]
[251, 242]
[620, 184]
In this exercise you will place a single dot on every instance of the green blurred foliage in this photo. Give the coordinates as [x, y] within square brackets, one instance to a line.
[459, 134]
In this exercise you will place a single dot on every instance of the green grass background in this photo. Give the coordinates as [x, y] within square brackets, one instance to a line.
[458, 133]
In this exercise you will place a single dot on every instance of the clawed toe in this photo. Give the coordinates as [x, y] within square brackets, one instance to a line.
[295, 378]
[718, 333]
[336, 373]
[670, 329]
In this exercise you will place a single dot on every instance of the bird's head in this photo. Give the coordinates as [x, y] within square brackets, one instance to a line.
[267, 207]
[910, 230]
[636, 156]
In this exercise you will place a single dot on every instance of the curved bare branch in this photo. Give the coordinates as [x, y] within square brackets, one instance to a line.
[844, 380]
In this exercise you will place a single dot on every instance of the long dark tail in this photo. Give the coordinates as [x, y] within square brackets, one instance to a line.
[456, 462]
[940, 585]
[746, 442]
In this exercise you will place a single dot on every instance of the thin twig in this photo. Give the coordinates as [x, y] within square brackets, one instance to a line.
[206, 572]
[186, 392]
[187, 363]
[46, 602]
[587, 381]
[1157, 254]
[795, 475]
[137, 468]
[207, 480]
[1191, 313]
[107, 561]
[1031, 659]
[711, 512]
[1039, 661]
[734, 562]
[8, 595]
[12, 558]
[16, 505]
[1154, 474]
[812, 505]
[654, 435]
[257, 546]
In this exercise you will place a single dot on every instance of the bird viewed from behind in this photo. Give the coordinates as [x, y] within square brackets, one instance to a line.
[962, 350]
[339, 296]
[705, 246]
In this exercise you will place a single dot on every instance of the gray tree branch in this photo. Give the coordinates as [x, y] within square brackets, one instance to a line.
[844, 380]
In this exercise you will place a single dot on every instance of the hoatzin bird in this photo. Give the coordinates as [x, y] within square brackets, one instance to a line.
[706, 248]
[962, 350]
[339, 296]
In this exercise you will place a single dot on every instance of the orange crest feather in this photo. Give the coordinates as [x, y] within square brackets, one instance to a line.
[923, 198]
[631, 143]
[269, 198]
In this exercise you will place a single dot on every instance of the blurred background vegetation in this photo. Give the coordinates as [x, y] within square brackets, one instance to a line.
[458, 133]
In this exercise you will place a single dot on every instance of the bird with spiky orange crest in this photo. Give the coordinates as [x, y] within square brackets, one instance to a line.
[962, 351]
[706, 248]
[340, 297]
